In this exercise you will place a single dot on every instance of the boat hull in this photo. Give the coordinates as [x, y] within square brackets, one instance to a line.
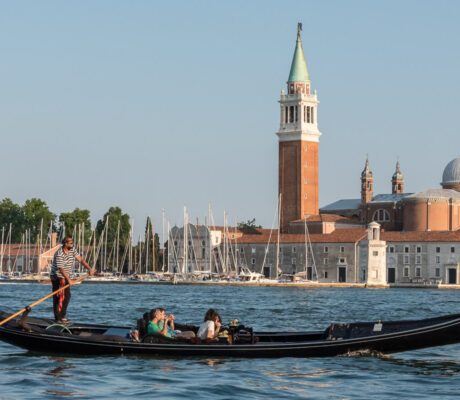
[442, 331]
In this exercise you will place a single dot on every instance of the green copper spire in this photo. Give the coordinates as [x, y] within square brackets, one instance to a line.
[299, 70]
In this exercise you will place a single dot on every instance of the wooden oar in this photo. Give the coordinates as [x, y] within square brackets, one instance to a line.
[43, 299]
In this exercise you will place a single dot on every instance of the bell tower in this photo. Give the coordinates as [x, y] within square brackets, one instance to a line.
[397, 180]
[367, 184]
[298, 143]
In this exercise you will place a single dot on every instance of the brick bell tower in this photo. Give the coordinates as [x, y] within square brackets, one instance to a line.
[298, 144]
[367, 184]
[397, 180]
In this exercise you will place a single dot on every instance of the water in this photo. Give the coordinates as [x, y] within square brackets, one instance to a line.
[428, 373]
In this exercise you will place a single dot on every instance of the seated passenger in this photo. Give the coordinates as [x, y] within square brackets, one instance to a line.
[159, 323]
[210, 328]
[142, 324]
[164, 325]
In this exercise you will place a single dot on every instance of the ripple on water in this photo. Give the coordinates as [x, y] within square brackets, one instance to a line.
[430, 373]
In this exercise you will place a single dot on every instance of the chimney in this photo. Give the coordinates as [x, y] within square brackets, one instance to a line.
[53, 240]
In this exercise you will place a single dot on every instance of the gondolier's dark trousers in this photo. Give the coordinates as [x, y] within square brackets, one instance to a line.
[61, 299]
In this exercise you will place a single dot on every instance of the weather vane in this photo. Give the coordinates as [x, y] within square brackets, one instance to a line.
[299, 27]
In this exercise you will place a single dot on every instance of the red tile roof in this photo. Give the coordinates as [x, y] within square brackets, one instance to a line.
[338, 236]
[348, 236]
[328, 218]
[433, 236]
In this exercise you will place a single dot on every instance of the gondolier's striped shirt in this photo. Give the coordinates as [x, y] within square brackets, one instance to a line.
[63, 260]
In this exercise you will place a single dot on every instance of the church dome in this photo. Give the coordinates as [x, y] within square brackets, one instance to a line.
[451, 174]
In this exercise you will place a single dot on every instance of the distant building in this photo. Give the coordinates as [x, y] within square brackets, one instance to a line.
[30, 259]
[428, 210]
[393, 237]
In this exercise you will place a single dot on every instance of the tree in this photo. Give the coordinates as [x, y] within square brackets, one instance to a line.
[75, 220]
[114, 216]
[249, 224]
[36, 213]
[149, 243]
[152, 244]
[12, 213]
[157, 252]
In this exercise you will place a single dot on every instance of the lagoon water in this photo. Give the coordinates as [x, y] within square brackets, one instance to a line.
[430, 373]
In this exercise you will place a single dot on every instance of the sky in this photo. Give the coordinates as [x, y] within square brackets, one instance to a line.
[151, 105]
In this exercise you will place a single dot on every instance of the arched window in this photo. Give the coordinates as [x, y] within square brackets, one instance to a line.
[381, 215]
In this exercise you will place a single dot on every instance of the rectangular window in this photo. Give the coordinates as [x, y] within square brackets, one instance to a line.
[325, 274]
[406, 259]
[418, 272]
[312, 115]
[326, 261]
[305, 181]
[452, 249]
[418, 259]
[438, 260]
[253, 250]
[308, 114]
[406, 249]
[291, 114]
[253, 261]
[375, 253]
[293, 261]
[326, 249]
[294, 249]
[342, 260]
[419, 249]
[305, 148]
[342, 249]
[438, 249]
[391, 249]
[437, 272]
[241, 250]
[406, 272]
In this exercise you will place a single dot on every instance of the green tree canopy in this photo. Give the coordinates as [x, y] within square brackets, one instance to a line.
[12, 213]
[152, 244]
[114, 215]
[249, 224]
[35, 212]
[71, 221]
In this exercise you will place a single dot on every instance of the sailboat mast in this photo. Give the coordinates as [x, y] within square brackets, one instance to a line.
[147, 243]
[224, 267]
[210, 238]
[9, 249]
[153, 249]
[184, 268]
[278, 242]
[140, 255]
[306, 246]
[1, 255]
[162, 238]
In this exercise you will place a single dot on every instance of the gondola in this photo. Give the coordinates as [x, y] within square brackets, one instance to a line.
[383, 337]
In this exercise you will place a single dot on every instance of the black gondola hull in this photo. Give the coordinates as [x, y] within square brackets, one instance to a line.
[428, 333]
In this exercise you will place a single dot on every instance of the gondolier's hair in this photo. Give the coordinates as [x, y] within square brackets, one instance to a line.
[66, 238]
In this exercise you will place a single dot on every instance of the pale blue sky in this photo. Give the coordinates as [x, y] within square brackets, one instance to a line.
[149, 105]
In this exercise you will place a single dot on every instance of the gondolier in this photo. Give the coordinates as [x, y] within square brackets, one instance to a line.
[63, 262]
